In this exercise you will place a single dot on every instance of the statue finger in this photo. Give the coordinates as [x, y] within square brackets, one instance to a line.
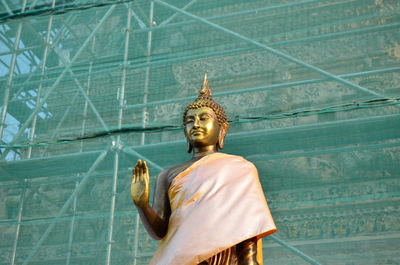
[142, 171]
[137, 171]
[135, 174]
[146, 168]
[146, 171]
[139, 163]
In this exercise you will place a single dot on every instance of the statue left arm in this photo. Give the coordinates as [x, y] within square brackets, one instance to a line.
[155, 219]
[247, 252]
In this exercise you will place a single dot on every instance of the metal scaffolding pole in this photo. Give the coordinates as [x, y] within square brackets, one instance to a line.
[148, 73]
[132, 152]
[88, 216]
[7, 90]
[322, 151]
[8, 9]
[6, 41]
[267, 48]
[89, 82]
[92, 106]
[271, 8]
[42, 72]
[294, 250]
[187, 55]
[263, 88]
[166, 21]
[112, 208]
[88, 102]
[136, 245]
[61, 121]
[117, 145]
[33, 4]
[71, 228]
[54, 43]
[142, 25]
[18, 228]
[86, 95]
[282, 130]
[59, 78]
[64, 208]
[144, 114]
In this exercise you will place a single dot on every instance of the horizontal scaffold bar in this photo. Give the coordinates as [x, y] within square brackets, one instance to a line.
[383, 132]
[263, 88]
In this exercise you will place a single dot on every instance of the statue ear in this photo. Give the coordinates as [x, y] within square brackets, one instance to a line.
[190, 148]
[222, 134]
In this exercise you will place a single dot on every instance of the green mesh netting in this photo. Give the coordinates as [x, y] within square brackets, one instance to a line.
[312, 90]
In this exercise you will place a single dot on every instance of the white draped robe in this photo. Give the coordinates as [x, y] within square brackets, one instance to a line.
[216, 203]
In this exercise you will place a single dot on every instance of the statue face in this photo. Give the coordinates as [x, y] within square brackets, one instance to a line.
[201, 127]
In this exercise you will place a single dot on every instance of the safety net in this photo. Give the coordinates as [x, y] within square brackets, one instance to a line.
[312, 93]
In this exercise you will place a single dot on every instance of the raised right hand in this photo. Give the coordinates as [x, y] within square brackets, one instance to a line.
[140, 190]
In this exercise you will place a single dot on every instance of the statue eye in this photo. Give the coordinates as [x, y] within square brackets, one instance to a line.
[204, 117]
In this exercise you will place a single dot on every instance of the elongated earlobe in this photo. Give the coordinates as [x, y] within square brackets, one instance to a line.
[221, 137]
[190, 148]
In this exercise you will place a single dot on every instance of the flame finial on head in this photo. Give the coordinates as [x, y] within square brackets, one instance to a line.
[205, 91]
[204, 99]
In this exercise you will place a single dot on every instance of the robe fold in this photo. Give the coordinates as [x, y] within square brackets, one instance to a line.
[216, 203]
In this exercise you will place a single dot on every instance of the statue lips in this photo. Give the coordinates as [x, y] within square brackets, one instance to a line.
[197, 132]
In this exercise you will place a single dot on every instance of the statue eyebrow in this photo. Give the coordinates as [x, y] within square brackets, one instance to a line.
[205, 113]
[200, 114]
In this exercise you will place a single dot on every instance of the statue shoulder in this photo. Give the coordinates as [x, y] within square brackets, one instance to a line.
[237, 158]
[170, 173]
[239, 161]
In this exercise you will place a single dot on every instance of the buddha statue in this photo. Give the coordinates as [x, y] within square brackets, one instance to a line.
[210, 210]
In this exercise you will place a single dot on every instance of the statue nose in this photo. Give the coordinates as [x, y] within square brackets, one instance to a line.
[196, 123]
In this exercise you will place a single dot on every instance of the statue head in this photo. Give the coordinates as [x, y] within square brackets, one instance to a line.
[208, 114]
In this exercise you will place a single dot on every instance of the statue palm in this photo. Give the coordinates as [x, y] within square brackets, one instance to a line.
[140, 184]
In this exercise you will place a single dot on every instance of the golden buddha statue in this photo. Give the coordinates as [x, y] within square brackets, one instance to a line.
[210, 210]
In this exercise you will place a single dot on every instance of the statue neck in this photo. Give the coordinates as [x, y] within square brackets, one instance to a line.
[204, 150]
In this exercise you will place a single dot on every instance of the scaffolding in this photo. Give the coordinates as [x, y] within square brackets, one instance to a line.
[311, 88]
